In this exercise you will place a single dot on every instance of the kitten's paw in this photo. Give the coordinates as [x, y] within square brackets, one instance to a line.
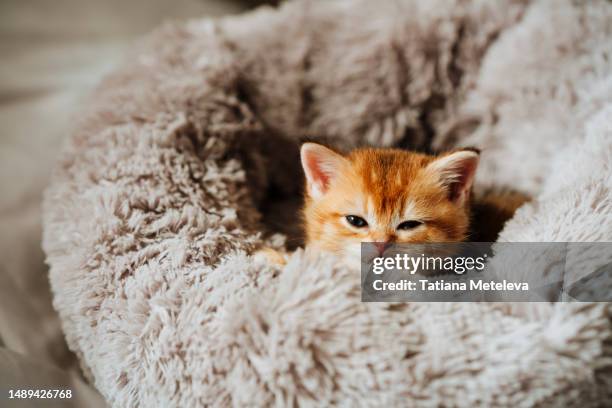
[272, 256]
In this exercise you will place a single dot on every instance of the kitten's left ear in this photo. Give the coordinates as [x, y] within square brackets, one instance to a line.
[321, 166]
[456, 172]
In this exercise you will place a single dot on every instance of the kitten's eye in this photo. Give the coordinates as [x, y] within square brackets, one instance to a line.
[356, 221]
[408, 225]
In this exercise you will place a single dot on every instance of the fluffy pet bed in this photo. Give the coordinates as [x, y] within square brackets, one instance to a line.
[158, 200]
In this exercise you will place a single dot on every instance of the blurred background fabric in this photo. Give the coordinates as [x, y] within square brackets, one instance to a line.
[53, 53]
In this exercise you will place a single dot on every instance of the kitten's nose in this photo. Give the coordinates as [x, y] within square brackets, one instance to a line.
[382, 246]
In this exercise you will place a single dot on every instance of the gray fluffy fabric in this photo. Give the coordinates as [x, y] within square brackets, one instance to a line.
[184, 157]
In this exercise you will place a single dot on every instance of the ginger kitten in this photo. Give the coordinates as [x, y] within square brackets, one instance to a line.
[385, 196]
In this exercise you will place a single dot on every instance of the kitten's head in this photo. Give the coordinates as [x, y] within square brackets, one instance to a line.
[385, 196]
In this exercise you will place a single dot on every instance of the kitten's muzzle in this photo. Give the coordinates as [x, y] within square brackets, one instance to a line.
[381, 247]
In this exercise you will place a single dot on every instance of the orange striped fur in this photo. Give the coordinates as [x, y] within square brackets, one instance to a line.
[385, 187]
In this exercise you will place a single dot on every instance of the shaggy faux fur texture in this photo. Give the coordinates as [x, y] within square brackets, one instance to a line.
[156, 202]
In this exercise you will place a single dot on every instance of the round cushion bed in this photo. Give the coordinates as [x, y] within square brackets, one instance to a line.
[185, 161]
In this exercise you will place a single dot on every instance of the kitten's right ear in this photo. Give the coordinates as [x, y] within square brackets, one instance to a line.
[456, 172]
[320, 165]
